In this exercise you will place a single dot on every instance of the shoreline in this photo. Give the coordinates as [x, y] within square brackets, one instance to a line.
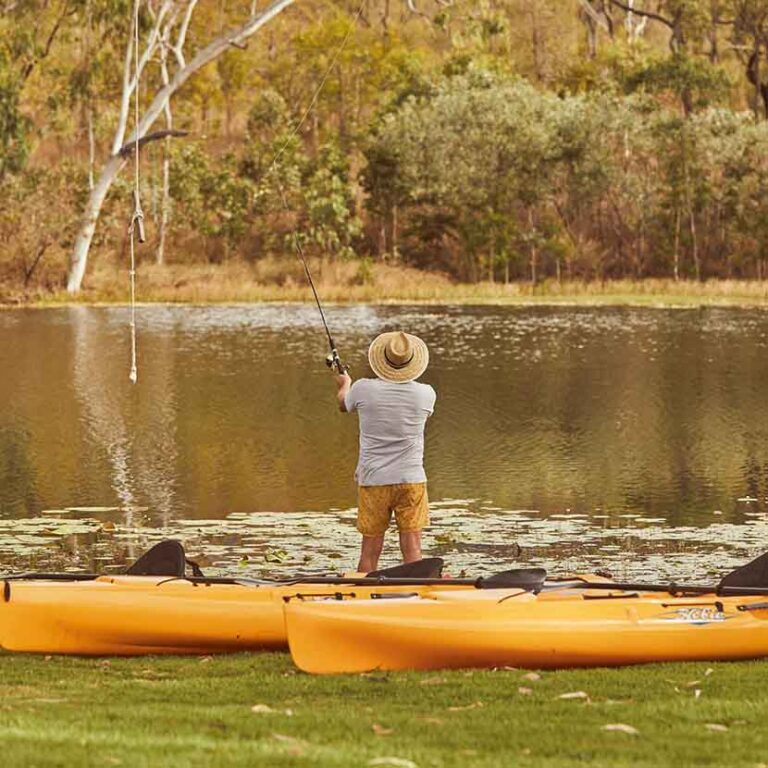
[338, 284]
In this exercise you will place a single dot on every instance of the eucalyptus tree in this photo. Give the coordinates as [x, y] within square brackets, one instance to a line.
[28, 31]
[298, 196]
[749, 39]
[212, 198]
[687, 22]
[596, 15]
[167, 24]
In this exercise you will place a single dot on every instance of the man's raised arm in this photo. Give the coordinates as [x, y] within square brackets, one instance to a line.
[344, 382]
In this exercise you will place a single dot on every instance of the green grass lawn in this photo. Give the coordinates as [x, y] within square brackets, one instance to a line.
[199, 712]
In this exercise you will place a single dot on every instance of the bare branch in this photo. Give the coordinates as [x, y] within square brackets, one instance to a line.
[29, 270]
[594, 15]
[414, 10]
[648, 14]
[30, 65]
[131, 82]
[125, 96]
[126, 150]
[207, 54]
[178, 48]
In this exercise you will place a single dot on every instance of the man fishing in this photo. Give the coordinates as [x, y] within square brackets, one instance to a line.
[393, 409]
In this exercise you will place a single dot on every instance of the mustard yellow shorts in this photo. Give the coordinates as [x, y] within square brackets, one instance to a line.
[376, 503]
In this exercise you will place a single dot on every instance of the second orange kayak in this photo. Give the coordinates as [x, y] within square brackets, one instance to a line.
[568, 628]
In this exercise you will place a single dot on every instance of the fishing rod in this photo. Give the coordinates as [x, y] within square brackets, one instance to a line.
[332, 359]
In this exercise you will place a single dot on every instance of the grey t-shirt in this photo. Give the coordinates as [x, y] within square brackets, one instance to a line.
[392, 419]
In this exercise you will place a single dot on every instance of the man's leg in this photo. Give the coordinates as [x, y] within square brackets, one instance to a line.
[412, 515]
[370, 551]
[410, 545]
[373, 505]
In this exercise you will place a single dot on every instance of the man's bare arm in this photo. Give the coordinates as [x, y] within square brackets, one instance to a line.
[344, 382]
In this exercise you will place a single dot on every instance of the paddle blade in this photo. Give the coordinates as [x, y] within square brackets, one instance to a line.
[428, 568]
[164, 559]
[521, 578]
[754, 574]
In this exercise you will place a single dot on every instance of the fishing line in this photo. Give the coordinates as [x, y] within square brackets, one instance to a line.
[300, 254]
[333, 359]
[318, 90]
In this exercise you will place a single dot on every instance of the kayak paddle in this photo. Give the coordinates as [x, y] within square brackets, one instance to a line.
[528, 579]
[749, 579]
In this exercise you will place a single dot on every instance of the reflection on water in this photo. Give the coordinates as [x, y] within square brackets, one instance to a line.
[583, 416]
[107, 407]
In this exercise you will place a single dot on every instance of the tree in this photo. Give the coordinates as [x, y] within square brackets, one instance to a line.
[474, 162]
[330, 224]
[213, 199]
[750, 41]
[27, 33]
[685, 20]
[169, 26]
[13, 125]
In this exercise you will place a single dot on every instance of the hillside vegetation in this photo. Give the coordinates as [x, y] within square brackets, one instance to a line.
[505, 140]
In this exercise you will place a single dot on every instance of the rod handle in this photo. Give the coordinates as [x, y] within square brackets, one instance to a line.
[333, 361]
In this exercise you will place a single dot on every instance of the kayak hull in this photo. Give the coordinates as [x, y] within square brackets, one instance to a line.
[550, 631]
[138, 615]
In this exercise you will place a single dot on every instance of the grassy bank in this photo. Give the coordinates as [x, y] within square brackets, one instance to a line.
[348, 282]
[200, 712]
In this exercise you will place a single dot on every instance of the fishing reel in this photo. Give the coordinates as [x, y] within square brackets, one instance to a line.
[333, 361]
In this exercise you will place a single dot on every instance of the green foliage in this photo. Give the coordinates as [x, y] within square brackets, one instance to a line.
[14, 125]
[477, 156]
[487, 140]
[331, 224]
[14, 147]
[502, 169]
[212, 198]
[682, 75]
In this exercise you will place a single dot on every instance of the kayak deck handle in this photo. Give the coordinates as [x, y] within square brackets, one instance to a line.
[752, 607]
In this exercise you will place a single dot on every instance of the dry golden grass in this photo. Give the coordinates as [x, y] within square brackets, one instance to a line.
[272, 280]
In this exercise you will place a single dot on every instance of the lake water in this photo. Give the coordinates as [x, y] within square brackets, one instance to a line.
[635, 440]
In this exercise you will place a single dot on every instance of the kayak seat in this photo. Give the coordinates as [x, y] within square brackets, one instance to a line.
[752, 575]
[164, 559]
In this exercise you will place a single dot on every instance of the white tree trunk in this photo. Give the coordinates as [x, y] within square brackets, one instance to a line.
[204, 55]
[92, 210]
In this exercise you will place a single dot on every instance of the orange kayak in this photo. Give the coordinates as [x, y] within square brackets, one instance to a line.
[135, 615]
[562, 628]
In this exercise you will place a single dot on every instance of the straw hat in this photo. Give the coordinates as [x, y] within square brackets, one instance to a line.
[397, 356]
